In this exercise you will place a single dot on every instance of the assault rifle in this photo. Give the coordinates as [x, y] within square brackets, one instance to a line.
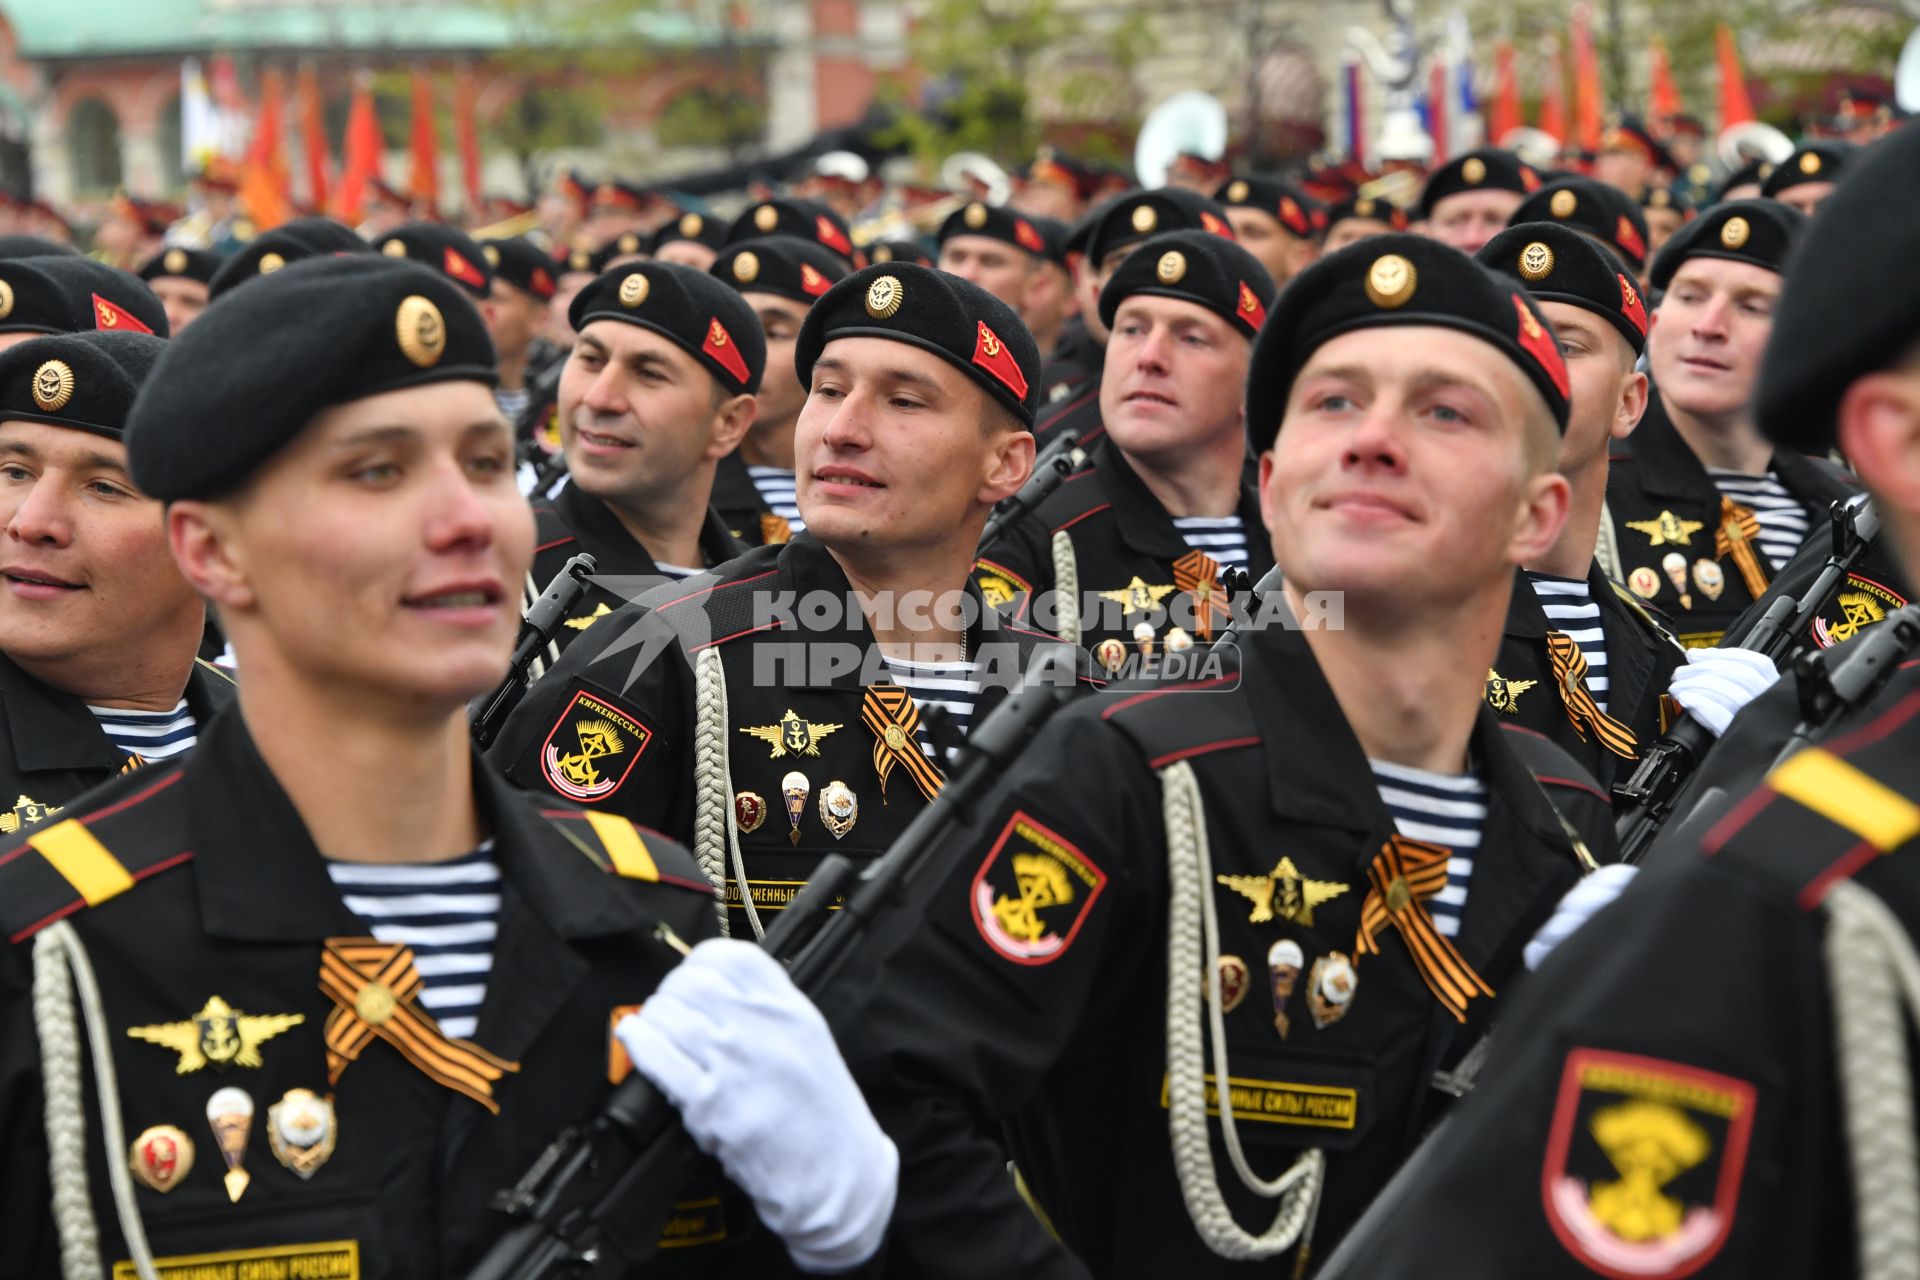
[1061, 458]
[486, 713]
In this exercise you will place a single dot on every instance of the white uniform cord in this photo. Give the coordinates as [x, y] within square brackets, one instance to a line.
[1874, 976]
[60, 967]
[1606, 549]
[1066, 588]
[716, 831]
[1193, 966]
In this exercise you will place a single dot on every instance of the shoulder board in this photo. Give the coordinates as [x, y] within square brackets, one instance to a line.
[1079, 496]
[1180, 721]
[627, 850]
[67, 864]
[1640, 611]
[727, 601]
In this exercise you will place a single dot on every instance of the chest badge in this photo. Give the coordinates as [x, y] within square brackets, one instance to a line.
[26, 812]
[586, 620]
[1138, 597]
[791, 735]
[302, 1130]
[161, 1157]
[218, 1035]
[1503, 695]
[1667, 529]
[1285, 893]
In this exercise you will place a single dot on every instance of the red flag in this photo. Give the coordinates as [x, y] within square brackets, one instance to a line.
[1553, 101]
[314, 128]
[1586, 81]
[424, 186]
[263, 177]
[466, 137]
[361, 153]
[1663, 98]
[1505, 116]
[1437, 121]
[1735, 106]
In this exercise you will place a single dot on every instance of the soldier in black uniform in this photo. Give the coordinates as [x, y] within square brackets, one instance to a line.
[1278, 224]
[692, 240]
[516, 314]
[98, 630]
[780, 277]
[1286, 846]
[1594, 209]
[1582, 660]
[765, 713]
[806, 219]
[1126, 557]
[73, 295]
[179, 278]
[1467, 200]
[1358, 217]
[1074, 363]
[339, 983]
[995, 247]
[294, 241]
[1808, 176]
[659, 388]
[1713, 1079]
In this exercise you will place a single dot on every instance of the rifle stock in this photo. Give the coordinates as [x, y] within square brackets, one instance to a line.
[486, 713]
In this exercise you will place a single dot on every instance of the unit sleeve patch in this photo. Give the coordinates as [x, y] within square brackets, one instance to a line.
[592, 748]
[1034, 892]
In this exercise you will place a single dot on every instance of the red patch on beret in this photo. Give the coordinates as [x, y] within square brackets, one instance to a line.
[992, 355]
[720, 349]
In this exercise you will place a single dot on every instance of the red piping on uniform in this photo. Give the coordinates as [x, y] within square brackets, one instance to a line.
[1739, 816]
[1105, 506]
[1187, 753]
[765, 626]
[68, 910]
[715, 587]
[1185, 687]
[1868, 734]
[1067, 408]
[558, 542]
[1572, 784]
[1842, 868]
[95, 816]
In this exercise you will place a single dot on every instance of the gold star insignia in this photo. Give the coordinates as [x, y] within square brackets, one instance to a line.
[1503, 695]
[792, 735]
[1667, 528]
[1138, 597]
[586, 620]
[1286, 893]
[219, 1034]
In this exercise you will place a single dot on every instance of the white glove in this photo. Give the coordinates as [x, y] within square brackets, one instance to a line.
[1716, 683]
[1581, 904]
[760, 1085]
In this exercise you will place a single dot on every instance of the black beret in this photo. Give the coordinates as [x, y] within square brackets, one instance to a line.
[73, 294]
[700, 228]
[573, 262]
[1488, 169]
[783, 265]
[1555, 263]
[1396, 279]
[883, 251]
[1813, 162]
[1196, 267]
[1757, 231]
[440, 247]
[687, 307]
[1754, 172]
[294, 241]
[1674, 197]
[806, 219]
[34, 247]
[995, 222]
[1139, 214]
[1629, 133]
[1300, 214]
[177, 263]
[1843, 312]
[1054, 233]
[260, 363]
[522, 264]
[81, 380]
[628, 244]
[1604, 212]
[955, 319]
[1080, 233]
[1367, 208]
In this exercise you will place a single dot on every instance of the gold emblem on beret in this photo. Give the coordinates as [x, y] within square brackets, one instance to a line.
[1390, 281]
[1145, 219]
[6, 299]
[1810, 163]
[53, 385]
[581, 260]
[421, 330]
[746, 267]
[766, 217]
[1536, 261]
[690, 224]
[634, 290]
[1171, 267]
[175, 262]
[1660, 199]
[975, 216]
[884, 297]
[1474, 170]
[1563, 204]
[629, 243]
[1735, 233]
[1363, 207]
[272, 262]
[394, 248]
[1237, 192]
[882, 253]
[491, 253]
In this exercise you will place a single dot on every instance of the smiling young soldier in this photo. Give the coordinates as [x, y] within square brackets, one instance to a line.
[781, 701]
[1582, 661]
[1165, 504]
[780, 277]
[658, 389]
[1337, 844]
[331, 953]
[98, 630]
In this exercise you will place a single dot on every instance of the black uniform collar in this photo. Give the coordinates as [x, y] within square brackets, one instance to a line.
[1143, 523]
[54, 730]
[617, 552]
[1666, 466]
[1527, 618]
[734, 489]
[261, 879]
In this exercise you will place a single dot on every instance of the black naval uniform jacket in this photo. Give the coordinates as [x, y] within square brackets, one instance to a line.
[204, 883]
[1072, 370]
[1655, 480]
[1664, 1099]
[573, 522]
[1054, 1026]
[1121, 535]
[737, 501]
[794, 705]
[52, 748]
[1641, 658]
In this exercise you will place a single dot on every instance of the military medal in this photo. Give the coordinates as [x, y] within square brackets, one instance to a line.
[1143, 637]
[1330, 989]
[1707, 577]
[749, 811]
[794, 788]
[838, 808]
[1503, 695]
[26, 812]
[1177, 641]
[1644, 583]
[161, 1157]
[1285, 893]
[1137, 596]
[1284, 962]
[792, 735]
[302, 1130]
[1234, 981]
[219, 1035]
[1675, 566]
[1667, 529]
[1110, 654]
[230, 1113]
